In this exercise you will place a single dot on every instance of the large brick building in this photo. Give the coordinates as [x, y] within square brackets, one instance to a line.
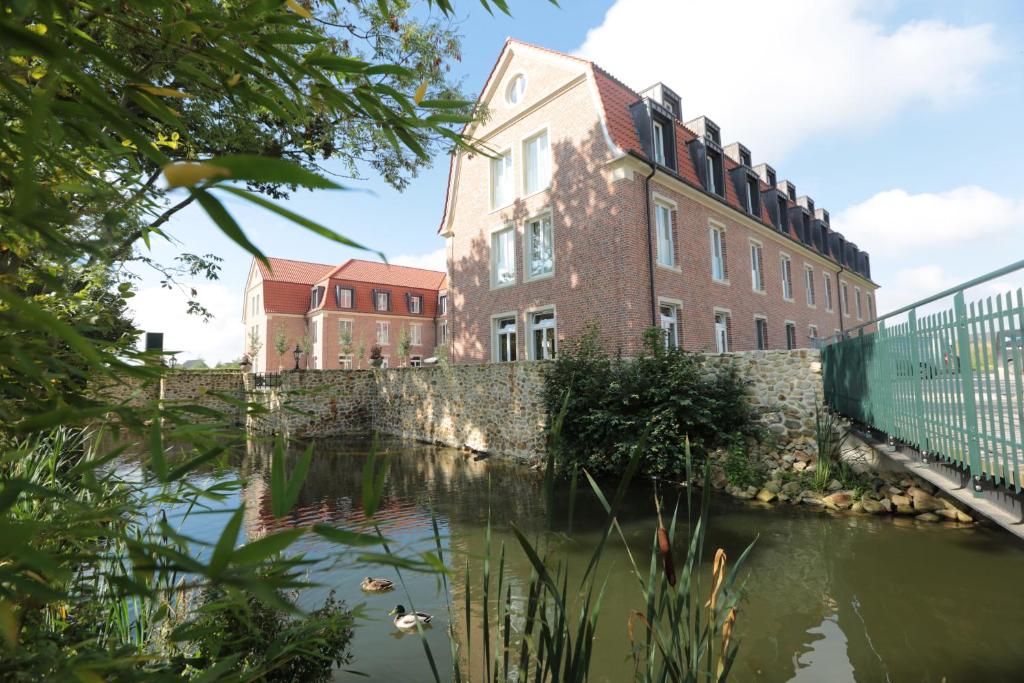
[598, 204]
[341, 311]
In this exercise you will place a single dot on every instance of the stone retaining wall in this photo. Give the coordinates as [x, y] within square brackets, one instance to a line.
[206, 390]
[498, 407]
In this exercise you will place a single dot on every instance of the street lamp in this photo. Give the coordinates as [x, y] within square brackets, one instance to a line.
[297, 353]
[173, 361]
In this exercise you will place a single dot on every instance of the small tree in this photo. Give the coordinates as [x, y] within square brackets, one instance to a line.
[255, 343]
[360, 353]
[306, 346]
[346, 343]
[281, 344]
[404, 344]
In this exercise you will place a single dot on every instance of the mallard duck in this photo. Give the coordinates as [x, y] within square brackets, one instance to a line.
[407, 620]
[372, 585]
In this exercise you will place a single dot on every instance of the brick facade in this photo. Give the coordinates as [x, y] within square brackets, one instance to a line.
[598, 202]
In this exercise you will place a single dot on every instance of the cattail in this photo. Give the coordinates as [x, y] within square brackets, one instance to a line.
[664, 547]
[730, 620]
[717, 577]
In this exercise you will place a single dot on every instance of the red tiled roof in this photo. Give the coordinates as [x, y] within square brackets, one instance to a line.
[388, 274]
[285, 297]
[287, 270]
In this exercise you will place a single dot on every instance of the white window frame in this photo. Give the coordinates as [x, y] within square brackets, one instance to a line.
[514, 96]
[786, 265]
[346, 322]
[844, 295]
[756, 271]
[416, 334]
[786, 327]
[496, 235]
[828, 292]
[812, 301]
[812, 332]
[346, 361]
[545, 164]
[677, 306]
[385, 327]
[859, 302]
[757, 332]
[442, 333]
[722, 343]
[415, 361]
[659, 143]
[378, 298]
[415, 303]
[871, 306]
[442, 304]
[528, 275]
[718, 253]
[530, 315]
[496, 336]
[712, 187]
[500, 202]
[664, 234]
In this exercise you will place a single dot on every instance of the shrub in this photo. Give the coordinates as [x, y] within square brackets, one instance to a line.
[742, 468]
[663, 392]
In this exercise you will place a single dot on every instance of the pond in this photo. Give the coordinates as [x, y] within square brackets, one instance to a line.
[828, 597]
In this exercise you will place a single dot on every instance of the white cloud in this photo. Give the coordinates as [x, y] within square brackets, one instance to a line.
[909, 285]
[775, 74]
[895, 221]
[164, 310]
[434, 260]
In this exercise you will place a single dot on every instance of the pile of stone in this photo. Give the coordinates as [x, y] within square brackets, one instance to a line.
[889, 493]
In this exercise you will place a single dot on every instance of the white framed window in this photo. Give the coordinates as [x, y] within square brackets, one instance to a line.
[844, 294]
[503, 257]
[669, 314]
[722, 335]
[536, 163]
[761, 333]
[809, 284]
[540, 249]
[756, 267]
[346, 331]
[666, 241]
[313, 331]
[871, 307]
[415, 361]
[790, 335]
[543, 344]
[506, 338]
[442, 304]
[442, 332]
[345, 361]
[659, 143]
[860, 308]
[516, 89]
[382, 301]
[812, 331]
[343, 296]
[502, 181]
[415, 303]
[750, 195]
[383, 332]
[416, 334]
[711, 175]
[718, 270]
[828, 292]
[787, 278]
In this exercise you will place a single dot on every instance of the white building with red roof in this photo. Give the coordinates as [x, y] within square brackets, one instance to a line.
[340, 312]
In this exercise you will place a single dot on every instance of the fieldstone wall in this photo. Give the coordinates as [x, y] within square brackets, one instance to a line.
[498, 407]
[786, 389]
[206, 390]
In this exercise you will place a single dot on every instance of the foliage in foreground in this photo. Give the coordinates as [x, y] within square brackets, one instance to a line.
[663, 392]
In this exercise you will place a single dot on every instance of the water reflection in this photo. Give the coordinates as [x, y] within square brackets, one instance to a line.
[829, 597]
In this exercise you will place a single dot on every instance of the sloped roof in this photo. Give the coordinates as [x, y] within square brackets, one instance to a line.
[388, 274]
[288, 270]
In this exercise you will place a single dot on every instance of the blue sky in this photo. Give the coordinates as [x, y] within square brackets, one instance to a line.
[902, 118]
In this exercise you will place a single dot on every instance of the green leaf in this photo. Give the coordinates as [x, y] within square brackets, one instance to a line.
[216, 211]
[268, 546]
[297, 479]
[226, 544]
[156, 450]
[263, 169]
[346, 537]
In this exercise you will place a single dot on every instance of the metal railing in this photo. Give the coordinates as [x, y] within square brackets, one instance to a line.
[266, 380]
[950, 383]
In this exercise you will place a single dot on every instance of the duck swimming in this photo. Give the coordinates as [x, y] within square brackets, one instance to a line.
[372, 585]
[408, 620]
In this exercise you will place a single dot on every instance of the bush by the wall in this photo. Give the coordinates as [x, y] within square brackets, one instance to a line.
[612, 400]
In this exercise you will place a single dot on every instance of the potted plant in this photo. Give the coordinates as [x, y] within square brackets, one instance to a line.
[376, 357]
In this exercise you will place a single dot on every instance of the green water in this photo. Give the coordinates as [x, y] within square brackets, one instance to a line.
[828, 597]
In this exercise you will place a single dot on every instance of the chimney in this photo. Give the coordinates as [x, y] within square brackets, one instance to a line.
[706, 129]
[738, 153]
[821, 215]
[666, 97]
[788, 188]
[766, 173]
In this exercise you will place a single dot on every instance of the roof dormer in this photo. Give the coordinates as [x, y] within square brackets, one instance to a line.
[788, 188]
[666, 97]
[738, 153]
[767, 174]
[706, 129]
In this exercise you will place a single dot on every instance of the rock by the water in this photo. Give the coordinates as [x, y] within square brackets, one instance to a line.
[841, 500]
[925, 502]
[901, 500]
[766, 496]
[872, 507]
[927, 517]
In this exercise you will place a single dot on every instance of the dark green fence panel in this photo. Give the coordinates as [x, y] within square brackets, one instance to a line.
[949, 383]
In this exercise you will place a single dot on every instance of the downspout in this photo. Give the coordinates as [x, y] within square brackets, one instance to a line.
[650, 241]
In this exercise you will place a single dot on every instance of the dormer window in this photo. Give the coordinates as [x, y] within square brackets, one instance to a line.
[745, 157]
[713, 173]
[783, 209]
[659, 143]
[753, 197]
[672, 103]
[343, 296]
[315, 297]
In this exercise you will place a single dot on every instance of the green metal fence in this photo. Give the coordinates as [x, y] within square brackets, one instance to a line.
[949, 382]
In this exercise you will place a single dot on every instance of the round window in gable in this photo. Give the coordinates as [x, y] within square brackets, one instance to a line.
[516, 88]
